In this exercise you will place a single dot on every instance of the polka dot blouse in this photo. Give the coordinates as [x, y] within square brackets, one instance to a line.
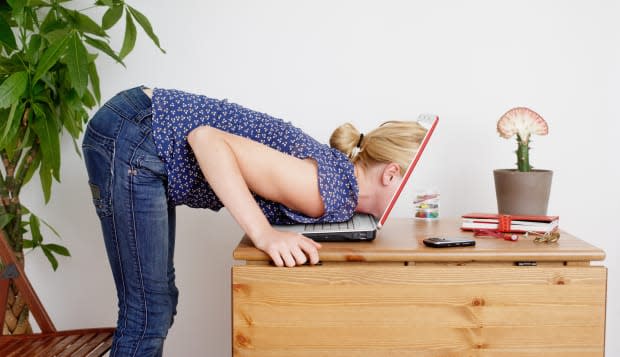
[176, 113]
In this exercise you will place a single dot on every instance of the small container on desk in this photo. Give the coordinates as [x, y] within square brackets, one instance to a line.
[426, 204]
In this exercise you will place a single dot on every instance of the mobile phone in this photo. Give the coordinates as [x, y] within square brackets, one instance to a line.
[439, 242]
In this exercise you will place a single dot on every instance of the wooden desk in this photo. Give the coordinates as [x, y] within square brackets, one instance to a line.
[396, 297]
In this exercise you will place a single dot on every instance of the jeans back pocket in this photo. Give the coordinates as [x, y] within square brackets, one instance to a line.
[98, 152]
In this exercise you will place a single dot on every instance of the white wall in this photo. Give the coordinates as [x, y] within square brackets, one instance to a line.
[319, 63]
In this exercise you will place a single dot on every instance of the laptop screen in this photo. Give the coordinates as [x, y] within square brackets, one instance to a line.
[429, 122]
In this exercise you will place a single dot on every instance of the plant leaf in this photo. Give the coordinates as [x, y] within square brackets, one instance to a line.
[50, 228]
[37, 3]
[17, 4]
[26, 139]
[76, 147]
[27, 243]
[69, 121]
[6, 34]
[58, 249]
[45, 176]
[12, 124]
[24, 209]
[86, 24]
[52, 259]
[34, 45]
[30, 18]
[94, 80]
[35, 230]
[88, 99]
[77, 63]
[111, 16]
[130, 37]
[103, 47]
[50, 57]
[56, 35]
[50, 22]
[105, 2]
[49, 139]
[5, 218]
[146, 26]
[31, 170]
[18, 8]
[45, 99]
[12, 88]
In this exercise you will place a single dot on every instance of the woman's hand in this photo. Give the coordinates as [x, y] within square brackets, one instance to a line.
[287, 248]
[233, 165]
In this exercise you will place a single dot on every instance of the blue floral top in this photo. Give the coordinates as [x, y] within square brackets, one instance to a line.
[176, 113]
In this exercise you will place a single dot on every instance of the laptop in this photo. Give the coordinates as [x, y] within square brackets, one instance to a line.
[363, 227]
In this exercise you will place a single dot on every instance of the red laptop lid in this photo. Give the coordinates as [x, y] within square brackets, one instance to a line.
[428, 121]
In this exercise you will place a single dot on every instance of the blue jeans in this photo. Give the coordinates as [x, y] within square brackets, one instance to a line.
[128, 182]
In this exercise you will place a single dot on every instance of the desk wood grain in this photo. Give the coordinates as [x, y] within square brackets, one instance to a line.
[412, 311]
[366, 301]
[401, 240]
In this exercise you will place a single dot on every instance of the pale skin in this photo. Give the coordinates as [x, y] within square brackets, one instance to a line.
[235, 167]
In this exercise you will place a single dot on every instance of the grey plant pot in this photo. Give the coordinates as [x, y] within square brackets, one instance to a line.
[524, 193]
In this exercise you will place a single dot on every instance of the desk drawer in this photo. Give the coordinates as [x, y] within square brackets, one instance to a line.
[418, 311]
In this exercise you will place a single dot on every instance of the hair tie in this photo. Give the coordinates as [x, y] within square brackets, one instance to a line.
[359, 142]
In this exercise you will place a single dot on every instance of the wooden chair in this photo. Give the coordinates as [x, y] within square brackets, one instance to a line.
[50, 342]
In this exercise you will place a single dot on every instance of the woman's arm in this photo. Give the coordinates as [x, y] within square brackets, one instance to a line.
[235, 167]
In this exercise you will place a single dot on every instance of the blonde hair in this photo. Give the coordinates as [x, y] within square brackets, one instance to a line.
[392, 141]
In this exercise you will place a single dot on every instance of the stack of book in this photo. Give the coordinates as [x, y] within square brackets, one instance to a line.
[509, 223]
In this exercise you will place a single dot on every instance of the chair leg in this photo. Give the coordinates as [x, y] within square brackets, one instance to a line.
[4, 297]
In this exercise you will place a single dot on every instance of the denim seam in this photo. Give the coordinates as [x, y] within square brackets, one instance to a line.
[99, 135]
[139, 118]
[116, 245]
[137, 104]
[116, 110]
[136, 118]
[133, 236]
[94, 148]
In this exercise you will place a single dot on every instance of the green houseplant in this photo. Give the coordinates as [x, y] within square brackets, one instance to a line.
[48, 81]
[523, 190]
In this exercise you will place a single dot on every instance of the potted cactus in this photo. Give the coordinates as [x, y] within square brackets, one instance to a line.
[523, 190]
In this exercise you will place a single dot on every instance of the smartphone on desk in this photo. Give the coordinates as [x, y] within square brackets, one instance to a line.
[442, 242]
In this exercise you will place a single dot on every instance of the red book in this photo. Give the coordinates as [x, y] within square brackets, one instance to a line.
[509, 223]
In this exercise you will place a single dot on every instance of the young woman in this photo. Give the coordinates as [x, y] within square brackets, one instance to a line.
[147, 151]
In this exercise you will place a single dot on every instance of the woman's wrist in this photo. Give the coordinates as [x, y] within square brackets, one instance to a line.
[258, 234]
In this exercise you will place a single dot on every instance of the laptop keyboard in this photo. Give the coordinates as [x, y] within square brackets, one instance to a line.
[327, 226]
[351, 224]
